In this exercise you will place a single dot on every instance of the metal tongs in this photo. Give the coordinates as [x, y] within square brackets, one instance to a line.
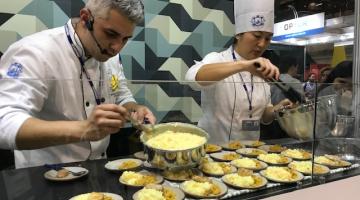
[145, 127]
[288, 91]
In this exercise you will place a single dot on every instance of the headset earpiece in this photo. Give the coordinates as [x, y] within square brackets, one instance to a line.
[89, 24]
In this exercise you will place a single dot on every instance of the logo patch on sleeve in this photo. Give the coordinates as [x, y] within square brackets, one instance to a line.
[14, 70]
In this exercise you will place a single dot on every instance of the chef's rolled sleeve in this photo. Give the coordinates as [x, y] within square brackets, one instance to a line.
[190, 76]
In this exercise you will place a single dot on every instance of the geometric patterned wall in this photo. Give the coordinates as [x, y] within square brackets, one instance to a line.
[173, 35]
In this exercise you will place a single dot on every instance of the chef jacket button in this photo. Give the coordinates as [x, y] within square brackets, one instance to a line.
[102, 154]
[87, 104]
[102, 100]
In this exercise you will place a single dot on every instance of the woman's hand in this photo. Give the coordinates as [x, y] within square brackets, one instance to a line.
[262, 67]
[285, 103]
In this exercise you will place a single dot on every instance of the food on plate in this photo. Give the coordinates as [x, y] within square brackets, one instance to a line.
[276, 148]
[137, 178]
[217, 168]
[249, 181]
[62, 173]
[235, 144]
[297, 154]
[156, 192]
[331, 161]
[211, 148]
[306, 167]
[282, 174]
[128, 165]
[248, 163]
[253, 143]
[175, 141]
[93, 196]
[201, 187]
[244, 172]
[250, 151]
[274, 158]
[230, 156]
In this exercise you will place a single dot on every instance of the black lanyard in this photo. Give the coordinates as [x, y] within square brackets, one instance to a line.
[96, 94]
[249, 96]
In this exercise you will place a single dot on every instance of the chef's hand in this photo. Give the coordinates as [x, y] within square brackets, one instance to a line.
[263, 68]
[104, 120]
[141, 113]
[285, 103]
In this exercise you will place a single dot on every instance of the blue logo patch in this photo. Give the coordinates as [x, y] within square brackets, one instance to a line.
[258, 20]
[14, 70]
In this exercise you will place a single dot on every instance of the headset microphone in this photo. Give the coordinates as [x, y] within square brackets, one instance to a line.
[90, 27]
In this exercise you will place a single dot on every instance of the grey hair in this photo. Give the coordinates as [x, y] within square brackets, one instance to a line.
[132, 9]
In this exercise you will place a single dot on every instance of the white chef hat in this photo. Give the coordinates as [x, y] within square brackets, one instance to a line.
[254, 15]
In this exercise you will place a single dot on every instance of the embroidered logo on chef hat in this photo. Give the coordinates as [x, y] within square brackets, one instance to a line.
[258, 20]
[251, 15]
[14, 70]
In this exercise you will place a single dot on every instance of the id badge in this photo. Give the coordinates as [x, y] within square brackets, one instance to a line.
[250, 125]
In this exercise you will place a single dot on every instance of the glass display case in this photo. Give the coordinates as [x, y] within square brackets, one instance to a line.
[316, 130]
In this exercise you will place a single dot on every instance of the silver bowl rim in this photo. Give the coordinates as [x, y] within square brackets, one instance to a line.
[206, 135]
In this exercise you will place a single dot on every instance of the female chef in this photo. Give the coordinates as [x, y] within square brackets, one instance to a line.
[235, 97]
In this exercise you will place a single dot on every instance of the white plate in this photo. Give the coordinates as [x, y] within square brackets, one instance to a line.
[219, 156]
[158, 179]
[179, 194]
[248, 152]
[115, 164]
[227, 146]
[299, 177]
[232, 170]
[286, 162]
[216, 148]
[140, 155]
[287, 154]
[252, 143]
[85, 196]
[262, 165]
[263, 182]
[51, 174]
[333, 165]
[222, 186]
[268, 148]
[323, 167]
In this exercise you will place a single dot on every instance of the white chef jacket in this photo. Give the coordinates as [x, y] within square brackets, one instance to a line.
[41, 79]
[217, 100]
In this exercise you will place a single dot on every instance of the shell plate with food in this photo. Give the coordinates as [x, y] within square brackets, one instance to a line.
[306, 168]
[249, 163]
[282, 174]
[274, 159]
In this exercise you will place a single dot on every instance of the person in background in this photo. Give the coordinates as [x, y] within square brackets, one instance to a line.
[288, 70]
[234, 95]
[65, 91]
[337, 87]
[339, 82]
[310, 86]
[324, 73]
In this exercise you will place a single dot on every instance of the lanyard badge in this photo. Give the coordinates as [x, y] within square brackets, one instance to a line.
[248, 94]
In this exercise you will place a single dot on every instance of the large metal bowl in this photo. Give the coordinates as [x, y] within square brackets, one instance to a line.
[173, 160]
[299, 122]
